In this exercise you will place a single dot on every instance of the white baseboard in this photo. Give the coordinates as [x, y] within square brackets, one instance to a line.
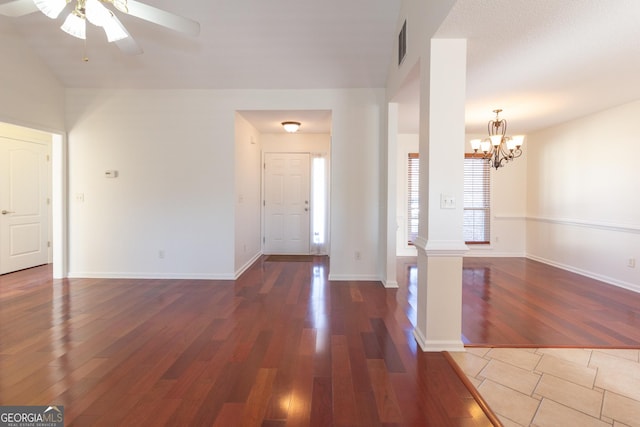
[488, 253]
[354, 278]
[246, 266]
[143, 276]
[390, 284]
[586, 273]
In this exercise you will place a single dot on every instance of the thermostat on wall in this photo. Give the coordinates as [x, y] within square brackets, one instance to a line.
[111, 174]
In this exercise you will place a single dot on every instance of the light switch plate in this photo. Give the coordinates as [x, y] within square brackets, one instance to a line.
[447, 201]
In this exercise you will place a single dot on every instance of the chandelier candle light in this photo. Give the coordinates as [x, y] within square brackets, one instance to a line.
[498, 148]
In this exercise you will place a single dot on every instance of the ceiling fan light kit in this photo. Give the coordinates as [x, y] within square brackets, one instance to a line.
[96, 13]
[51, 8]
[75, 26]
[101, 16]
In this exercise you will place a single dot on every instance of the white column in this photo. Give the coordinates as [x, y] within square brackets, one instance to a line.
[440, 242]
[391, 280]
[59, 206]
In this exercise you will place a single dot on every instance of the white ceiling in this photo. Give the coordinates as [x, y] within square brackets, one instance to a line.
[244, 44]
[546, 61]
[542, 61]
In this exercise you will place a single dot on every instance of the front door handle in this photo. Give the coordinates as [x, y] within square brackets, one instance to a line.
[7, 212]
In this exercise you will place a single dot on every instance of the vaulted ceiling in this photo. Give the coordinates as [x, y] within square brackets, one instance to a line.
[248, 44]
[542, 62]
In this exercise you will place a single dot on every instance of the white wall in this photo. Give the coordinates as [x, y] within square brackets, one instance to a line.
[31, 95]
[174, 193]
[247, 194]
[175, 152]
[296, 143]
[356, 199]
[423, 20]
[583, 202]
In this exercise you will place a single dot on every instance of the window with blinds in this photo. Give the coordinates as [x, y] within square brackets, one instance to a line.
[477, 200]
[477, 216]
[413, 194]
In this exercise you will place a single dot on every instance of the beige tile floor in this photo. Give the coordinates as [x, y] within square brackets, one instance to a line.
[555, 386]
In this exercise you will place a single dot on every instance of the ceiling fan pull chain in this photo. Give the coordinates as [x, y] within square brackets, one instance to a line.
[85, 58]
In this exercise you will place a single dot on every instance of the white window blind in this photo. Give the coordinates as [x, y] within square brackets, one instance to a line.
[477, 215]
[413, 196]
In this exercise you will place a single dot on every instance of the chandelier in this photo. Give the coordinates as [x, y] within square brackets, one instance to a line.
[498, 148]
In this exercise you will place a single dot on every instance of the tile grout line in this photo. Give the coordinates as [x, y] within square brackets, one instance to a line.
[487, 358]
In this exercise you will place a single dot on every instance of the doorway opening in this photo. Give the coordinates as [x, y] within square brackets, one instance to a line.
[294, 168]
[32, 224]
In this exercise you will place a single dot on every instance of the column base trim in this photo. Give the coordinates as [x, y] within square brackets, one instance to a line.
[437, 345]
[440, 248]
[391, 284]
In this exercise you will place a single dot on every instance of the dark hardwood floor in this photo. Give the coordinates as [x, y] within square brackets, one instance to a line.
[281, 346]
[519, 302]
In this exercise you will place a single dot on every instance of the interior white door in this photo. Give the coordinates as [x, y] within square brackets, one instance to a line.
[24, 217]
[286, 204]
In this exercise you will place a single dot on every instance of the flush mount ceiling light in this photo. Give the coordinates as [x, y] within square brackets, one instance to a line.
[98, 14]
[291, 127]
[498, 148]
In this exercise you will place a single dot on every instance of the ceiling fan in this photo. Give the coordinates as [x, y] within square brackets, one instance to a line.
[99, 15]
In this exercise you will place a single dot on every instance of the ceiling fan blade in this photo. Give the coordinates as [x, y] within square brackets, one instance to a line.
[18, 8]
[163, 18]
[127, 45]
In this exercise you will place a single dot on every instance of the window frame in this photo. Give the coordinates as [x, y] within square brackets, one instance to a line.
[485, 182]
[414, 163]
[413, 179]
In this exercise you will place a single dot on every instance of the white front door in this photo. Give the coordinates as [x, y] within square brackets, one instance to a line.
[286, 203]
[24, 217]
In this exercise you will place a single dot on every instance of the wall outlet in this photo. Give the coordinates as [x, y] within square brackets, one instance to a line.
[161, 254]
[357, 255]
[631, 263]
